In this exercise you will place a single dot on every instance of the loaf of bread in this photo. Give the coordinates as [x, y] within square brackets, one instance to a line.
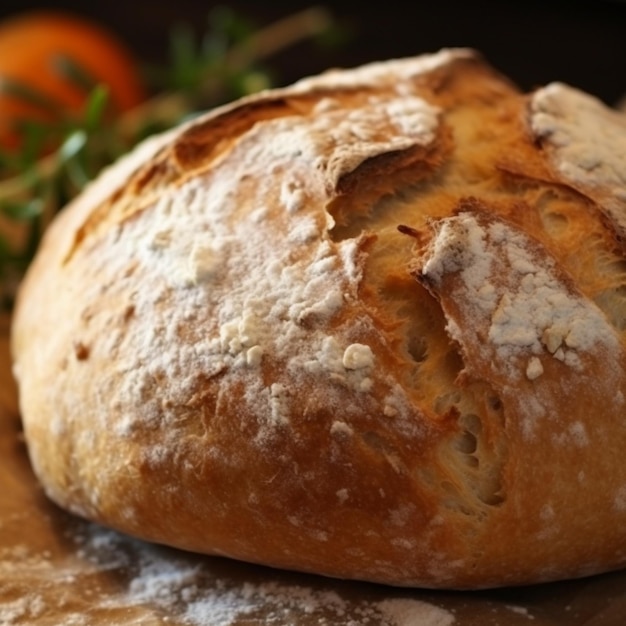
[369, 326]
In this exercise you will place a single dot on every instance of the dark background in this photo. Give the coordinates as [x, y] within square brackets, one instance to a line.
[582, 43]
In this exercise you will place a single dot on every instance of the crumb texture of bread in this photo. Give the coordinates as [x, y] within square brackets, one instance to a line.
[369, 326]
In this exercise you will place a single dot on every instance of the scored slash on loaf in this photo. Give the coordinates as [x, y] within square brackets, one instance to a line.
[368, 326]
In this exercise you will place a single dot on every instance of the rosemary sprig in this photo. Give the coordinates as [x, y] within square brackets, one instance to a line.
[226, 62]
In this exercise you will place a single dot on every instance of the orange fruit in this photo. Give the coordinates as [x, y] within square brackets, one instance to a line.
[30, 45]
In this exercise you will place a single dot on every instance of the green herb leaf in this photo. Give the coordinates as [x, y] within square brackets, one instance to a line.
[22, 211]
[72, 71]
[74, 143]
[23, 92]
[95, 107]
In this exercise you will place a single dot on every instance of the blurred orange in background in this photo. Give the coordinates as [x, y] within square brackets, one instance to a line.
[48, 62]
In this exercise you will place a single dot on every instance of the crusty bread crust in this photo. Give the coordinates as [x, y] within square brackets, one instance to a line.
[369, 326]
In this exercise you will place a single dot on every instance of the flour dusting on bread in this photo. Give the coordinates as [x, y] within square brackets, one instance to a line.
[588, 142]
[513, 298]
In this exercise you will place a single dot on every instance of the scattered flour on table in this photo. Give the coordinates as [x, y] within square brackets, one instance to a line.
[183, 589]
[520, 610]
[161, 586]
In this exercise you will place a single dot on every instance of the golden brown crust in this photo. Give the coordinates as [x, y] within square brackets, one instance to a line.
[369, 326]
